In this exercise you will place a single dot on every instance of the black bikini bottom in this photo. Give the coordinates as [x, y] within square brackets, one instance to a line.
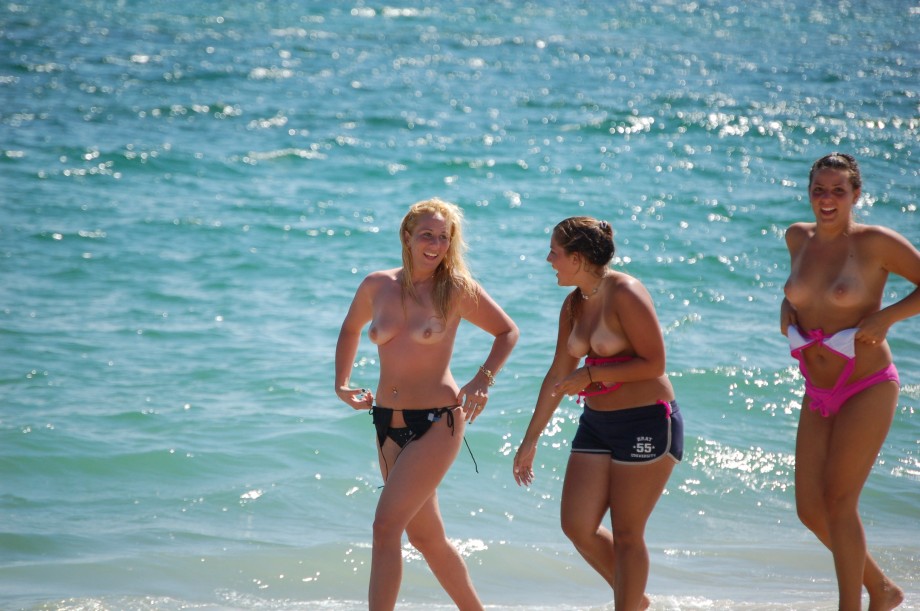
[418, 421]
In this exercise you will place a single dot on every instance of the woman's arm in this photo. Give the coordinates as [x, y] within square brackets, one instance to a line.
[900, 257]
[346, 348]
[795, 236]
[547, 400]
[491, 318]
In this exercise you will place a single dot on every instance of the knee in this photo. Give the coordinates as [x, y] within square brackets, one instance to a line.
[387, 531]
[422, 542]
[627, 540]
[820, 511]
[578, 531]
[810, 514]
[840, 506]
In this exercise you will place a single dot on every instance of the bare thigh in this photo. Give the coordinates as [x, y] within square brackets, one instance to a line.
[585, 493]
[413, 473]
[835, 455]
[634, 492]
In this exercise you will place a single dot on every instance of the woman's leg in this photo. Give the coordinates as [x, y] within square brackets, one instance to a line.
[426, 534]
[412, 476]
[585, 502]
[634, 491]
[833, 459]
[587, 496]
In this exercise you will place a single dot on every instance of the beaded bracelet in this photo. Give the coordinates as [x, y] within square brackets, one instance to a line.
[489, 375]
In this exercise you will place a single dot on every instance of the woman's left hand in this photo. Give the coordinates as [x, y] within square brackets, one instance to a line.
[872, 329]
[573, 383]
[473, 398]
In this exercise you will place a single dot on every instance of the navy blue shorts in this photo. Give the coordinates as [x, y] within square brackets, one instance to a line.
[633, 435]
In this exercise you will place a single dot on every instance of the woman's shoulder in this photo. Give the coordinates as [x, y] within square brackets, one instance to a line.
[374, 281]
[467, 292]
[879, 238]
[622, 285]
[622, 280]
[384, 275]
[798, 233]
[801, 229]
[875, 232]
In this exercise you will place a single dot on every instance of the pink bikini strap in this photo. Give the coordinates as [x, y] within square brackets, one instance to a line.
[667, 407]
[816, 336]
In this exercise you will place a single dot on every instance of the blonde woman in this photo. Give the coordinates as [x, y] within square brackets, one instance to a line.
[420, 412]
[836, 325]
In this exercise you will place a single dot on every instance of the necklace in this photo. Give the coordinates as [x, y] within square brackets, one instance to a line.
[594, 292]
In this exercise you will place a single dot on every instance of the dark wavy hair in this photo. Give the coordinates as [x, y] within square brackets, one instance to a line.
[838, 161]
[589, 237]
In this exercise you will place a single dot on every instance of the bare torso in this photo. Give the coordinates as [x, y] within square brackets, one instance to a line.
[833, 284]
[598, 332]
[414, 345]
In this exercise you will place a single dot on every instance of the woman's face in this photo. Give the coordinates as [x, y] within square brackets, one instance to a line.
[565, 264]
[832, 196]
[429, 242]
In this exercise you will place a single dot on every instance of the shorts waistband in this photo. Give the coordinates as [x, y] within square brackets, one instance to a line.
[633, 413]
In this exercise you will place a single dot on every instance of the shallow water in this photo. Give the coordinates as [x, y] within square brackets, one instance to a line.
[192, 193]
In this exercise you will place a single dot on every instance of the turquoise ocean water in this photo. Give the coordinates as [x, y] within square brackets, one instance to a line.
[191, 192]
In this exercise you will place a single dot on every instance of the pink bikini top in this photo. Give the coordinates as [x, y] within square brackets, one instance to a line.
[602, 388]
[827, 401]
[843, 343]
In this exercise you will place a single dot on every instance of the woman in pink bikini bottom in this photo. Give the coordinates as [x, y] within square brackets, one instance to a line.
[827, 401]
[837, 327]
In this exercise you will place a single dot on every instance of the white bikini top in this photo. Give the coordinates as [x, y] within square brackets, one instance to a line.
[842, 342]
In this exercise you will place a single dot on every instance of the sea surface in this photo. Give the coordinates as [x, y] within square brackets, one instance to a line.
[190, 193]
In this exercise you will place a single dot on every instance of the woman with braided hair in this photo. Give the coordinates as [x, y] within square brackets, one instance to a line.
[630, 435]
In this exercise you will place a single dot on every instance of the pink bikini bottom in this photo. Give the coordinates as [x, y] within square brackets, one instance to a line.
[827, 401]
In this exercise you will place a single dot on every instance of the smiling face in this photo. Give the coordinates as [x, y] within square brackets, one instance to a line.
[832, 196]
[565, 264]
[428, 243]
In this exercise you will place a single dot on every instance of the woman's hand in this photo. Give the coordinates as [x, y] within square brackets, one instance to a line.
[357, 398]
[473, 398]
[787, 317]
[573, 383]
[872, 329]
[523, 464]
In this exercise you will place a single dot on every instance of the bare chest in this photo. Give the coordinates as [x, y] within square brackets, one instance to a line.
[408, 320]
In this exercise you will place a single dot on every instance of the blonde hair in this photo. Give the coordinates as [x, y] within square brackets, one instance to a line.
[452, 279]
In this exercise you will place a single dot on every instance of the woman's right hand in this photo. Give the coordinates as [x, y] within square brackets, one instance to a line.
[357, 398]
[523, 464]
[787, 317]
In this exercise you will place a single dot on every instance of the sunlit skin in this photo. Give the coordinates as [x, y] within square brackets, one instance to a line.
[415, 344]
[837, 279]
[594, 485]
